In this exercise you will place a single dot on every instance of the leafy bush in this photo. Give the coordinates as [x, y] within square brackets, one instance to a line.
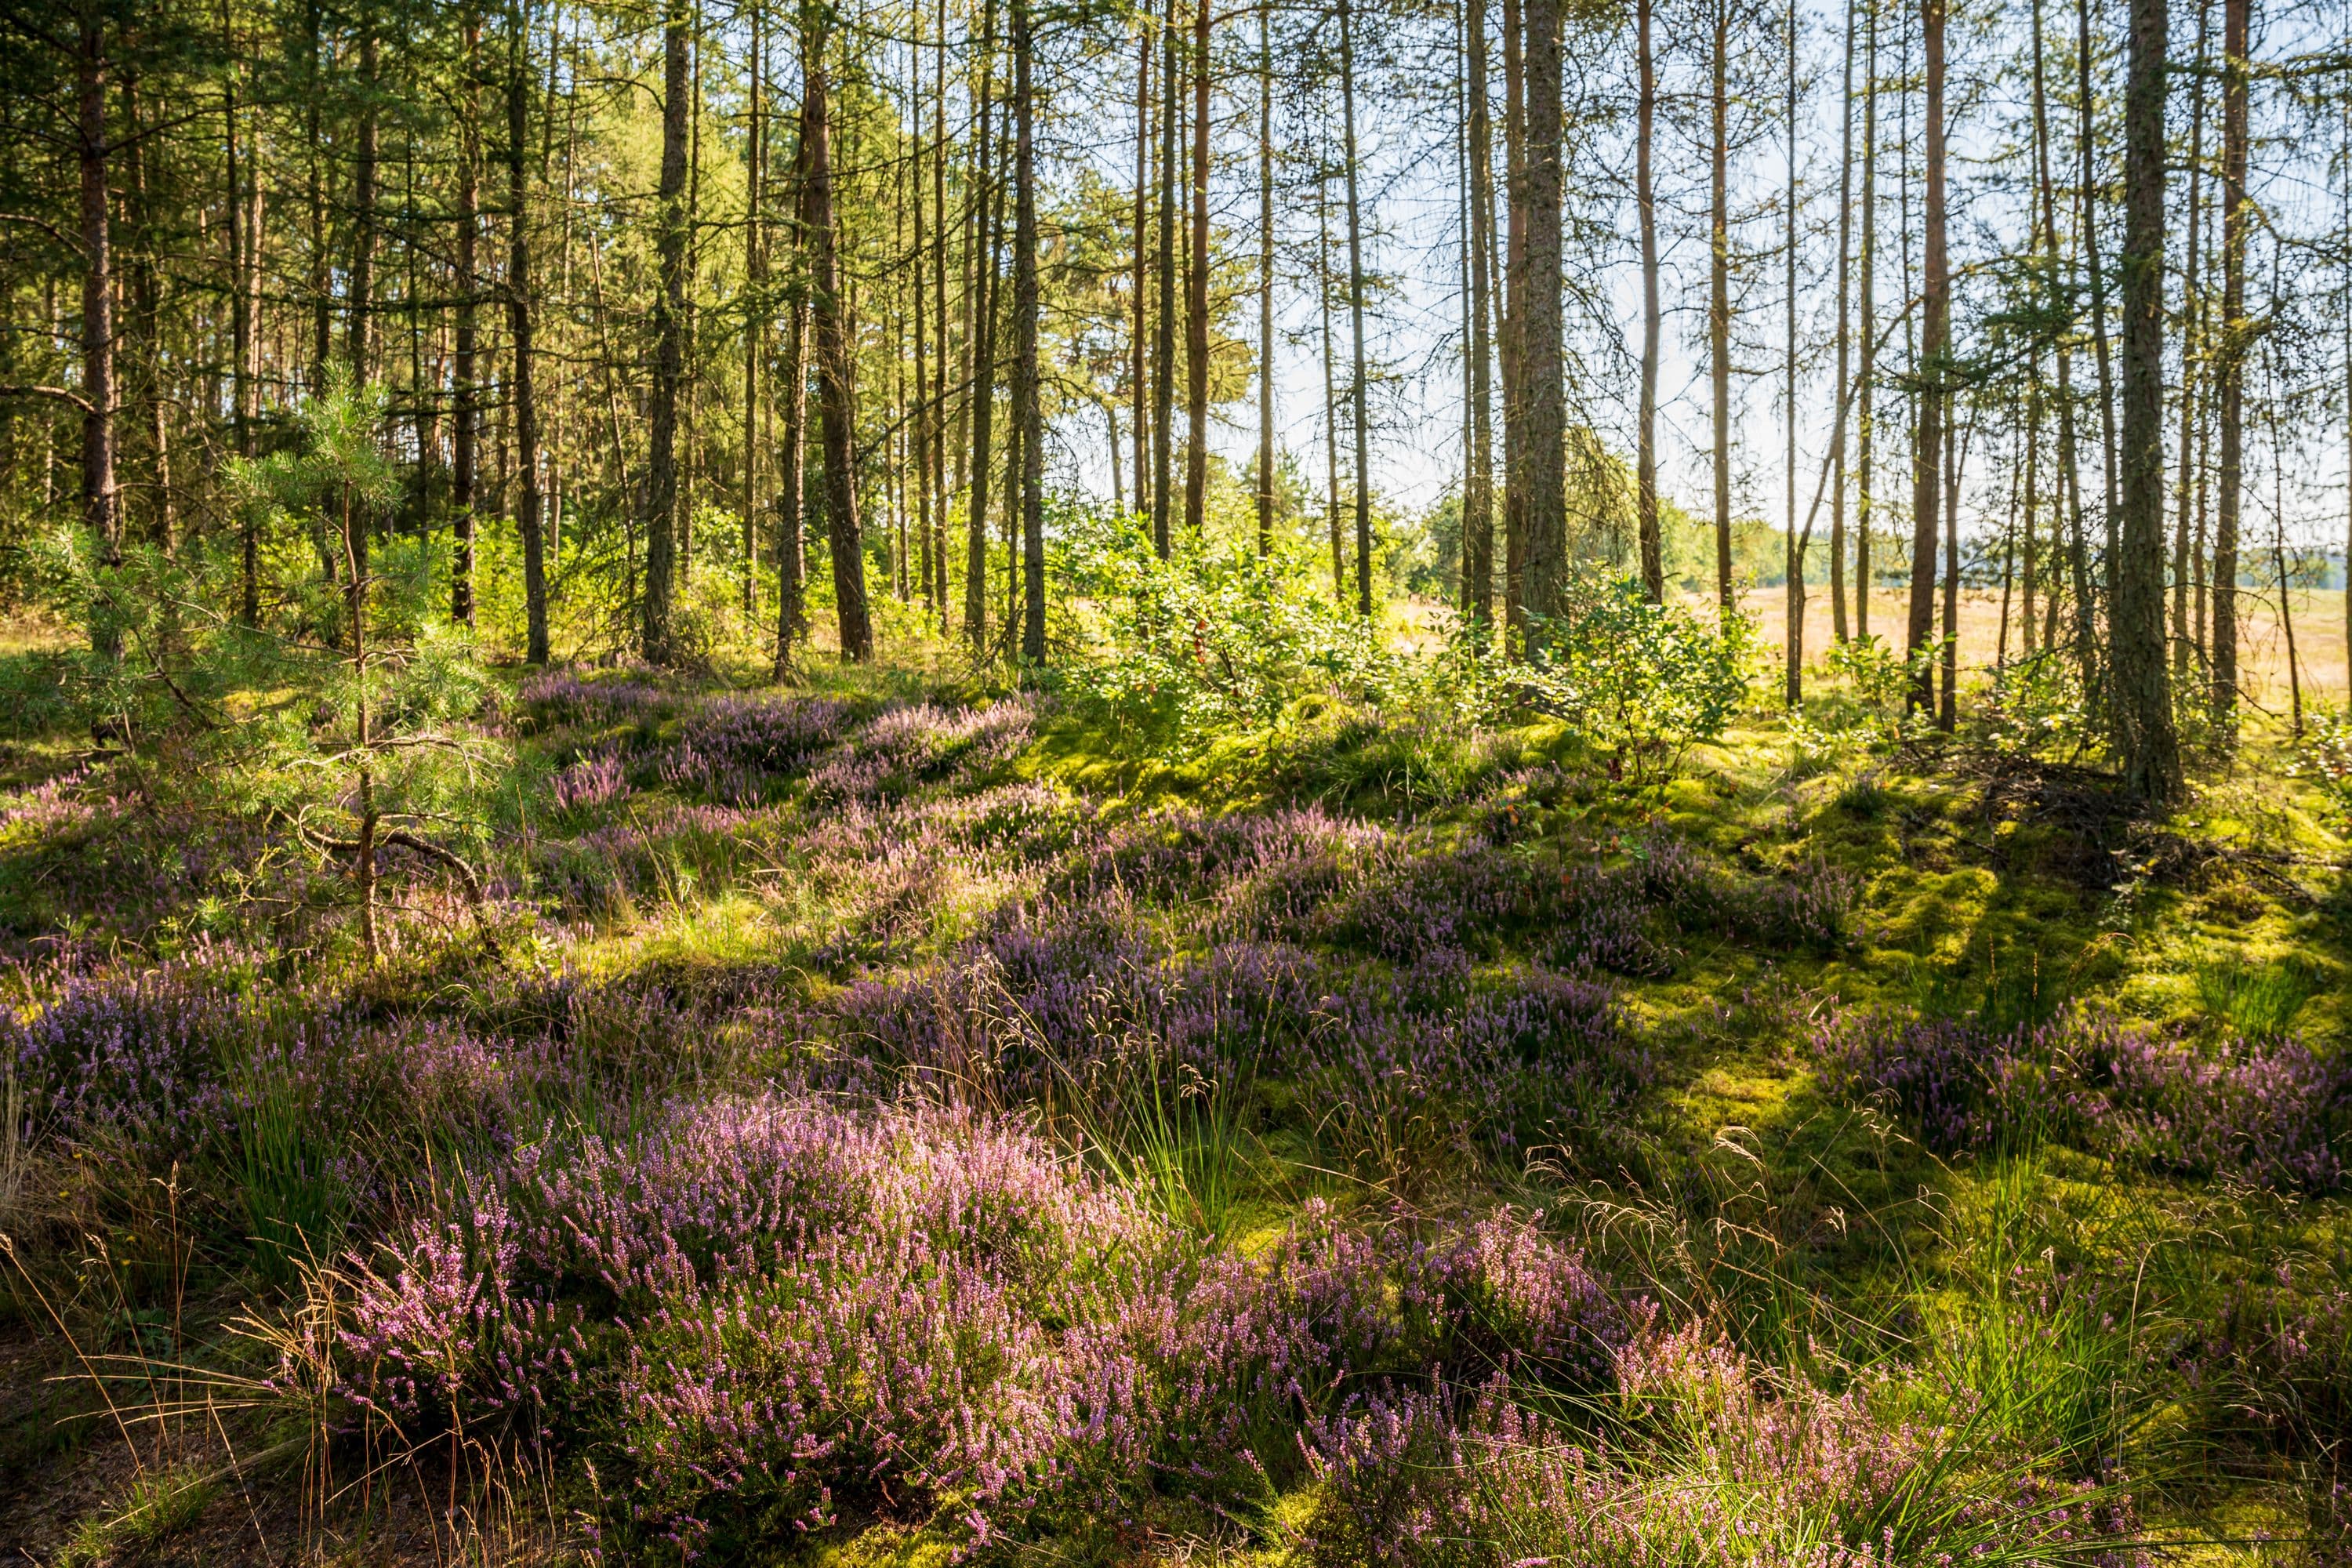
[1640, 683]
[1211, 640]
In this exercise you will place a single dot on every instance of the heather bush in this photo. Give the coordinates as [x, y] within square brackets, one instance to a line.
[1731, 1474]
[2273, 1114]
[559, 699]
[742, 749]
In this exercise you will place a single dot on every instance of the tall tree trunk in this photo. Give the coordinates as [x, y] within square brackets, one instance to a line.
[1838, 624]
[1645, 200]
[791, 552]
[1163, 345]
[147, 300]
[1514, 248]
[1359, 392]
[1956, 458]
[1025, 338]
[359, 319]
[521, 324]
[1865, 500]
[658, 641]
[1718, 306]
[2191, 341]
[921, 431]
[2032, 480]
[1935, 351]
[1138, 387]
[1330, 389]
[245, 252]
[1478, 489]
[1265, 286]
[322, 305]
[1543, 371]
[2142, 693]
[836, 410]
[981, 384]
[2098, 276]
[466, 418]
[1196, 315]
[1795, 568]
[2229, 369]
[100, 502]
[939, 478]
[755, 302]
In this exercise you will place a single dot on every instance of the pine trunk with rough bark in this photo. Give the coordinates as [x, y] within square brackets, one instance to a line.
[656, 640]
[2142, 697]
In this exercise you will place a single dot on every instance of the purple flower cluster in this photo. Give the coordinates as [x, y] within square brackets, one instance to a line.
[912, 746]
[740, 748]
[591, 782]
[57, 801]
[1065, 1000]
[783, 1306]
[1716, 1466]
[2273, 1113]
[565, 698]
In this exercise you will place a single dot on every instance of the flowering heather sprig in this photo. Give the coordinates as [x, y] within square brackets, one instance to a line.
[447, 1336]
[2268, 1113]
[1801, 1480]
[561, 698]
[55, 802]
[911, 747]
[738, 748]
[136, 1061]
[590, 782]
[1517, 1300]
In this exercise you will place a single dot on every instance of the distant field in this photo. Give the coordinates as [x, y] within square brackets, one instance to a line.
[2319, 635]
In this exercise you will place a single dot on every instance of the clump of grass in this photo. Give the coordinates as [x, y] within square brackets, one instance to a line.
[162, 1504]
[2261, 1002]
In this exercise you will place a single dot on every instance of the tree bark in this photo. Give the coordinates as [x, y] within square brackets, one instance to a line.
[755, 302]
[1514, 246]
[1358, 391]
[1838, 623]
[1935, 346]
[1024, 337]
[1139, 388]
[1163, 345]
[1867, 328]
[1264, 286]
[1645, 199]
[1196, 315]
[836, 411]
[101, 504]
[2098, 276]
[1794, 570]
[2191, 340]
[521, 323]
[981, 386]
[2230, 370]
[1542, 371]
[1719, 308]
[2142, 693]
[657, 641]
[1330, 390]
[1478, 486]
[465, 417]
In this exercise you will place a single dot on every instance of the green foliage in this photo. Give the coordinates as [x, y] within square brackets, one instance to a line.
[2036, 709]
[2258, 1000]
[2324, 756]
[1209, 640]
[1640, 683]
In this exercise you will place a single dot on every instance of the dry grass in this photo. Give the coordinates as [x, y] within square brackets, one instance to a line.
[2320, 635]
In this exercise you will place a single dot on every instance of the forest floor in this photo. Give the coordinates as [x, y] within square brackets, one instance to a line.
[890, 1121]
